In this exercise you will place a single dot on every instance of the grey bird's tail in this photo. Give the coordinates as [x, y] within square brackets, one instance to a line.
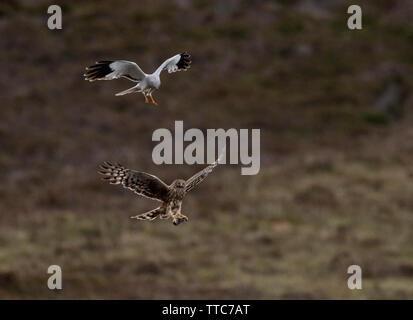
[130, 90]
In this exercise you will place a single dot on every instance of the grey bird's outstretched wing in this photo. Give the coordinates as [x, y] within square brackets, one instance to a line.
[141, 183]
[179, 62]
[109, 70]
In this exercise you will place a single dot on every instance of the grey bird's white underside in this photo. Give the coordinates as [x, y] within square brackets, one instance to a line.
[146, 83]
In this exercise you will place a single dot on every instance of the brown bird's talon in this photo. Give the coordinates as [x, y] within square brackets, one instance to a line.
[181, 218]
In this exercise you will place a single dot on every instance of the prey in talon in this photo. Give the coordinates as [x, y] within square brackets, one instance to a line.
[150, 186]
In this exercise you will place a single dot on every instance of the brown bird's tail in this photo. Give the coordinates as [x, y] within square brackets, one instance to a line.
[150, 215]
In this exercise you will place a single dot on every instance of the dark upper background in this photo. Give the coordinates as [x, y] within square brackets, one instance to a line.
[333, 107]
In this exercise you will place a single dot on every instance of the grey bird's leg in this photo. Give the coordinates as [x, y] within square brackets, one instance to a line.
[152, 99]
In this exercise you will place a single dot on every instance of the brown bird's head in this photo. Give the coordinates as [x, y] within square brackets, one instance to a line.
[178, 184]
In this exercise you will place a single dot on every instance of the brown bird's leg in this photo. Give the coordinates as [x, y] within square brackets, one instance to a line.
[179, 218]
[175, 218]
[146, 98]
[175, 221]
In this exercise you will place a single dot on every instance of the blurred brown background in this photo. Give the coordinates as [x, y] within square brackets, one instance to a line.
[334, 189]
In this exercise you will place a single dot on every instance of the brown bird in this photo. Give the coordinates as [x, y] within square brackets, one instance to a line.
[150, 186]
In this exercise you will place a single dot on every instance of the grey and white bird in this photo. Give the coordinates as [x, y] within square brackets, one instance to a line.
[146, 83]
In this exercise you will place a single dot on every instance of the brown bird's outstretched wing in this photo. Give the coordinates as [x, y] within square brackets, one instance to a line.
[201, 175]
[141, 183]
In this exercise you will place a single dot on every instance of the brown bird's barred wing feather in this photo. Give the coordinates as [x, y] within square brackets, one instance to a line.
[140, 182]
[201, 175]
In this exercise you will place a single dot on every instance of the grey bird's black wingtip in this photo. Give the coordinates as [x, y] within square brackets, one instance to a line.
[98, 71]
[185, 62]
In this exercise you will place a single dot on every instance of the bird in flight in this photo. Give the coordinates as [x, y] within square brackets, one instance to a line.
[152, 187]
[146, 83]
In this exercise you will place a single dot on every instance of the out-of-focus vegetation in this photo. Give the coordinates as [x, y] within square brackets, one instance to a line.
[335, 186]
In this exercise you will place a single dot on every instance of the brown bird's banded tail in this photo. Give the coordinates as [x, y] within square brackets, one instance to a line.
[150, 215]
